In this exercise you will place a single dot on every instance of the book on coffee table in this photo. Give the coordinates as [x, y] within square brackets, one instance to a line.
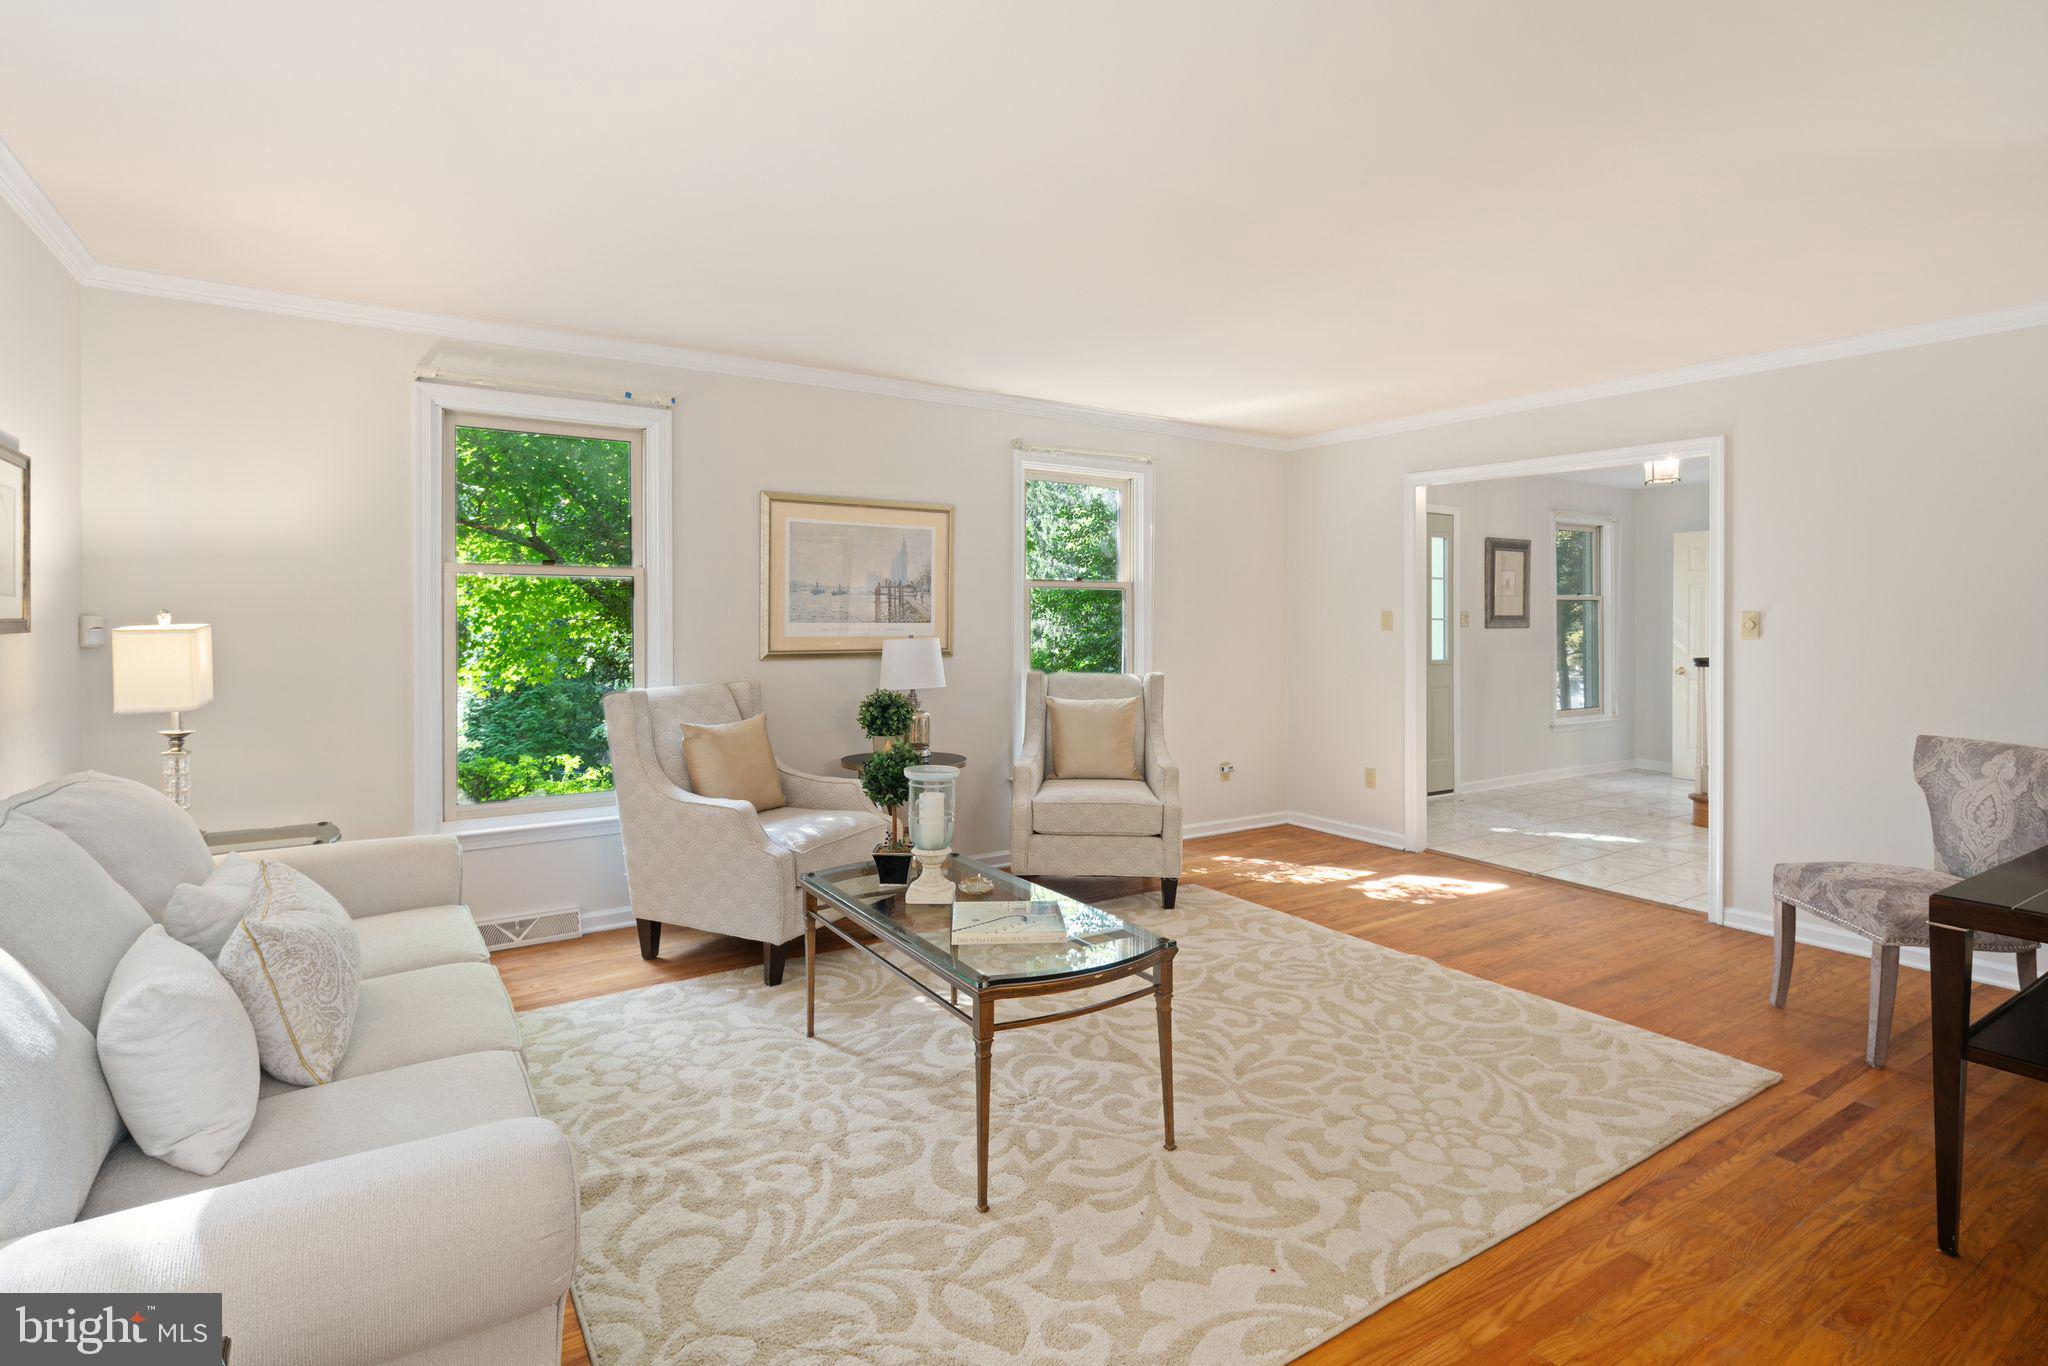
[1008, 922]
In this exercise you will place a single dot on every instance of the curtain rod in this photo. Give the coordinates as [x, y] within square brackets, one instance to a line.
[1028, 448]
[536, 387]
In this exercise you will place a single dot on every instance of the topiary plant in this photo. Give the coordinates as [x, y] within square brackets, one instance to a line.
[885, 713]
[887, 786]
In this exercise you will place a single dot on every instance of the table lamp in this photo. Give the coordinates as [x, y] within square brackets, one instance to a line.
[165, 667]
[910, 663]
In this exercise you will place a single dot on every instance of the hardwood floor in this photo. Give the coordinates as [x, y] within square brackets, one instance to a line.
[1799, 1226]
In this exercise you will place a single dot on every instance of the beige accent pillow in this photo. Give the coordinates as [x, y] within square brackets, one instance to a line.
[1094, 737]
[297, 965]
[734, 761]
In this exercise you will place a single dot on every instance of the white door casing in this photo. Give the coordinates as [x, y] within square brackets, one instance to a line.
[1689, 580]
[1439, 609]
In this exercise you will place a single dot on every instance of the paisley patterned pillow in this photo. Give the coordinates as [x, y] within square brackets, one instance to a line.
[296, 963]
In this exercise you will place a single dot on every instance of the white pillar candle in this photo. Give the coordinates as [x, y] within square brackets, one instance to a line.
[930, 821]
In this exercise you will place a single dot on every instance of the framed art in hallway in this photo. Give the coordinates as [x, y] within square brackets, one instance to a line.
[841, 575]
[1507, 582]
[13, 538]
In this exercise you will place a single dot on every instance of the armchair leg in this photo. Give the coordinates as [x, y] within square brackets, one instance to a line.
[1169, 888]
[650, 937]
[2027, 965]
[1884, 986]
[1784, 935]
[772, 959]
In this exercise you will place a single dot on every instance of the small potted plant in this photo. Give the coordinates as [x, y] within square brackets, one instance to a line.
[887, 787]
[885, 716]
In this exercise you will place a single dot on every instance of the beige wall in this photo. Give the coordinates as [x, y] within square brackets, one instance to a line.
[39, 333]
[254, 471]
[1507, 675]
[1885, 515]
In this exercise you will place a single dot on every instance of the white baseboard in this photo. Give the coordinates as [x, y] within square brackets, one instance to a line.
[1653, 765]
[1231, 825]
[611, 918]
[1548, 775]
[1369, 834]
[1992, 969]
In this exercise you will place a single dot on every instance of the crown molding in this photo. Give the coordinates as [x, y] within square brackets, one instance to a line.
[19, 190]
[1870, 343]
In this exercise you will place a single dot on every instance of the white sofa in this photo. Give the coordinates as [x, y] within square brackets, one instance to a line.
[413, 1210]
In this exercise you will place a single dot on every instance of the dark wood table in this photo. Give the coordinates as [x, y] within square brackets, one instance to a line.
[854, 763]
[2011, 899]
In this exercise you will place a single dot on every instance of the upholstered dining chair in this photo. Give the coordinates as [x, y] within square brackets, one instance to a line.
[1093, 826]
[1988, 802]
[711, 863]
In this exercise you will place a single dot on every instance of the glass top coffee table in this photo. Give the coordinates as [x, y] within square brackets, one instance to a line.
[1100, 947]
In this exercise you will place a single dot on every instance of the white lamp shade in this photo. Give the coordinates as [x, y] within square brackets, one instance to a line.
[912, 662]
[165, 667]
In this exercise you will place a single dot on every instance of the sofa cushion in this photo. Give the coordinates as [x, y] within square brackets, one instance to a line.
[400, 941]
[428, 1013]
[58, 1119]
[305, 1124]
[1096, 806]
[734, 761]
[824, 839]
[61, 915]
[1094, 737]
[297, 967]
[144, 840]
[179, 1054]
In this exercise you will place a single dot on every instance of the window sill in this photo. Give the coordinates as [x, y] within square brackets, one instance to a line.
[533, 828]
[1583, 722]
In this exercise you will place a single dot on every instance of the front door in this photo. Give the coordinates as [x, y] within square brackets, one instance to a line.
[1688, 641]
[1443, 714]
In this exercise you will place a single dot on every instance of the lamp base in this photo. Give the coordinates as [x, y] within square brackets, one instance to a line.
[177, 766]
[932, 887]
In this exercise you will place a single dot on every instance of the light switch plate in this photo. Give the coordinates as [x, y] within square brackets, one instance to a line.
[1752, 625]
[1387, 620]
[1464, 618]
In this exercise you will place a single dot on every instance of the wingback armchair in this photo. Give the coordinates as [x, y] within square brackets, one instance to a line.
[710, 863]
[1987, 802]
[1096, 827]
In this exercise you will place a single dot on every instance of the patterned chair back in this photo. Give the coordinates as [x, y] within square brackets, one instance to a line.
[1988, 801]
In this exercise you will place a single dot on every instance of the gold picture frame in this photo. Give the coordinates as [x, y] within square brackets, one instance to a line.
[14, 540]
[841, 575]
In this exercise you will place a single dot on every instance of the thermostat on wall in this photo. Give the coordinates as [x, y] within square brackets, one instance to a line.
[92, 631]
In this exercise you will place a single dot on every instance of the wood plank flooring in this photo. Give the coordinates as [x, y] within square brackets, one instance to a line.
[1799, 1226]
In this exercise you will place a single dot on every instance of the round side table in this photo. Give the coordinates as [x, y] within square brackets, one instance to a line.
[854, 763]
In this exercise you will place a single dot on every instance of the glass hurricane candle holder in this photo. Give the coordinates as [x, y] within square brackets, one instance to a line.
[933, 789]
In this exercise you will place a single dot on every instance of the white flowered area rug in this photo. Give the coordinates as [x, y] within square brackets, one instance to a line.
[1351, 1121]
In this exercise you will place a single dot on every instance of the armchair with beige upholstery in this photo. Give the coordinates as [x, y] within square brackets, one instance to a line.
[1097, 827]
[710, 863]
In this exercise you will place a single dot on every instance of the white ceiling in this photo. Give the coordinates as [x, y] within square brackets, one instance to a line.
[1281, 217]
[1693, 469]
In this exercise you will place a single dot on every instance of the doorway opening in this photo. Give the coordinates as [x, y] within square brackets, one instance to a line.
[1563, 690]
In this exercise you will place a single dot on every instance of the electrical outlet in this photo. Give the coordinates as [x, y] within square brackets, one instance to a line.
[1372, 777]
[1752, 625]
[1224, 770]
[1387, 620]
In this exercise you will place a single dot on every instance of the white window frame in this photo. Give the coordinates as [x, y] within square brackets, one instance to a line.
[1610, 619]
[1133, 475]
[434, 404]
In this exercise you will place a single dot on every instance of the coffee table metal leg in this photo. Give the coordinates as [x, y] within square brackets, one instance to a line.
[984, 1041]
[1163, 997]
[810, 968]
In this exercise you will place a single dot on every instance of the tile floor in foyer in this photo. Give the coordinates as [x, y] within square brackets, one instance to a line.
[1628, 832]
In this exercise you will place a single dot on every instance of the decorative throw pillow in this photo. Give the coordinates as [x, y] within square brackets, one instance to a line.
[297, 967]
[1094, 737]
[202, 917]
[179, 1054]
[734, 761]
[57, 1123]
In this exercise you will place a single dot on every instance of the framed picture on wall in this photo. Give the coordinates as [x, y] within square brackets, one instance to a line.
[1507, 582]
[841, 575]
[13, 538]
